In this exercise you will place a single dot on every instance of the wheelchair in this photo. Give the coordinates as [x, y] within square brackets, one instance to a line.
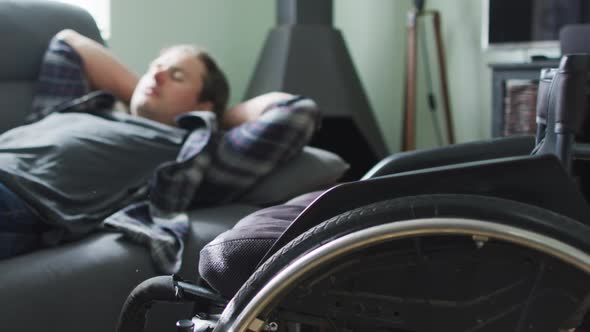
[484, 245]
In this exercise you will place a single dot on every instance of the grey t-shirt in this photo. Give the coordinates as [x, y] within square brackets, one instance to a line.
[75, 169]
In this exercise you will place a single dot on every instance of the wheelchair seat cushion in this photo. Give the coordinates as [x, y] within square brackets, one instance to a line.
[229, 260]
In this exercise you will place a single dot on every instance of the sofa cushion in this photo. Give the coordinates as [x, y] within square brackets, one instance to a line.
[85, 283]
[311, 170]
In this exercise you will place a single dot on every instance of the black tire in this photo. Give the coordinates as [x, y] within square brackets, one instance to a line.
[490, 209]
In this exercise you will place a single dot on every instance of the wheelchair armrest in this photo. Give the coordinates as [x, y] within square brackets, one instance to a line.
[453, 154]
[538, 180]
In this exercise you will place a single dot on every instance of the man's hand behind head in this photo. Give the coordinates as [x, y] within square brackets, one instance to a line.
[251, 109]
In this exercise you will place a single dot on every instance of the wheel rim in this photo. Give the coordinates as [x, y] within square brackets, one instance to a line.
[282, 281]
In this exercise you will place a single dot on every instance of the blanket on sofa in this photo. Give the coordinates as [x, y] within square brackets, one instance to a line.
[212, 168]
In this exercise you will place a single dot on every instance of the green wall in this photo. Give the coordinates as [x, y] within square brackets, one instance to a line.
[234, 32]
[375, 35]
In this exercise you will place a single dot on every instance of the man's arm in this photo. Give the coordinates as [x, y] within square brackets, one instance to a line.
[103, 70]
[251, 109]
[274, 129]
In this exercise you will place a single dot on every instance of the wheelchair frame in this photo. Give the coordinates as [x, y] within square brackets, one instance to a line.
[248, 319]
[541, 181]
[509, 179]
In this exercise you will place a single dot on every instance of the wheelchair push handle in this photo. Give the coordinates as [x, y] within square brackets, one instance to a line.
[571, 93]
[543, 95]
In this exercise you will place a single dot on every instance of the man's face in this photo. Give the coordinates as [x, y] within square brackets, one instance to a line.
[171, 86]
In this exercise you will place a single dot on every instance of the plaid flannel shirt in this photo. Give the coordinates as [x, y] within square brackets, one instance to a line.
[212, 167]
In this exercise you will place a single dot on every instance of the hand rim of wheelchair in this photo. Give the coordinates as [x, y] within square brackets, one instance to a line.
[282, 281]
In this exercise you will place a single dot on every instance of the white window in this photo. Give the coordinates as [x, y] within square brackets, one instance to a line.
[99, 9]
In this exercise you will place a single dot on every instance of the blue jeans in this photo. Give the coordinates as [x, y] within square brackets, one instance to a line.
[20, 228]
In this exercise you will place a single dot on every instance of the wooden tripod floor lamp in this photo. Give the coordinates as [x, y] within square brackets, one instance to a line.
[409, 118]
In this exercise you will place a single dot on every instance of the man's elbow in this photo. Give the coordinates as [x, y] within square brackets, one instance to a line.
[78, 41]
[277, 96]
[70, 36]
[300, 113]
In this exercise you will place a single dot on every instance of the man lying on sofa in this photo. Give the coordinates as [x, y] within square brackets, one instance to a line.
[81, 160]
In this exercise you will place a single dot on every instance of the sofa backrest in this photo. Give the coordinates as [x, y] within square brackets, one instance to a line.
[26, 26]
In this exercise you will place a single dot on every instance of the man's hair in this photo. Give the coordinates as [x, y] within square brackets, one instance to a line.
[215, 85]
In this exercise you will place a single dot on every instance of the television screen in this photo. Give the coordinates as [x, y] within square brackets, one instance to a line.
[526, 21]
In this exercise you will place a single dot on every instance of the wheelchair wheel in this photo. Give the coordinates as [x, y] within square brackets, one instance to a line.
[424, 263]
